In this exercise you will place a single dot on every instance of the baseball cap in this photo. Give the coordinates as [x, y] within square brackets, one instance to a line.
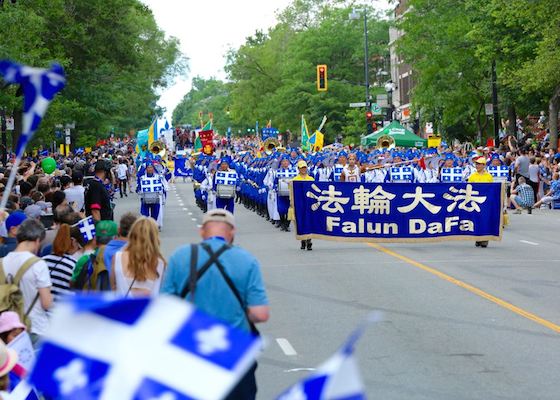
[106, 229]
[15, 219]
[480, 160]
[301, 164]
[33, 211]
[219, 215]
[10, 320]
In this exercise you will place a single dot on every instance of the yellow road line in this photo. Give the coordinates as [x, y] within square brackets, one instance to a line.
[470, 288]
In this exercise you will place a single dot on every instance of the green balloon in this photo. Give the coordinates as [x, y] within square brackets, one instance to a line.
[49, 165]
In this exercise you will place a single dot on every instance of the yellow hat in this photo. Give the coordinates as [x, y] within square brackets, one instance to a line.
[480, 160]
[301, 164]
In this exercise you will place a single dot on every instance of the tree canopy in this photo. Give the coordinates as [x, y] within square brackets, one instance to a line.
[273, 74]
[115, 57]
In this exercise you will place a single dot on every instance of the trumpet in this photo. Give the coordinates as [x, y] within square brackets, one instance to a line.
[271, 144]
[157, 148]
[385, 142]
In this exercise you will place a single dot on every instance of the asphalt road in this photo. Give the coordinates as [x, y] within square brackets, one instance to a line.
[459, 322]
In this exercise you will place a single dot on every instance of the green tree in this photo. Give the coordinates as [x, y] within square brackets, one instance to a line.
[115, 56]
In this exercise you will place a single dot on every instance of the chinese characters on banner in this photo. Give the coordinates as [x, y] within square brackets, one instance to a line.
[207, 139]
[397, 212]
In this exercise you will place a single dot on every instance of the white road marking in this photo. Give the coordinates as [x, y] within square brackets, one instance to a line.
[527, 242]
[199, 226]
[286, 347]
[185, 209]
[190, 213]
[194, 219]
[299, 369]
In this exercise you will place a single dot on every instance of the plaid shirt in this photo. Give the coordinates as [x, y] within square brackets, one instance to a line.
[525, 193]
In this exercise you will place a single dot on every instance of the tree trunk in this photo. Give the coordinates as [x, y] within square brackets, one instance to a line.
[512, 117]
[553, 106]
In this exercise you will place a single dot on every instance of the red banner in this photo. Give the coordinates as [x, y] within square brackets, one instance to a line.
[206, 138]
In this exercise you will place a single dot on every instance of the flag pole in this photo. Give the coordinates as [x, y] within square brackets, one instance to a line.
[10, 183]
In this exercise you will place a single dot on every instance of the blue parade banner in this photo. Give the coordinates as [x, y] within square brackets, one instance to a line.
[182, 168]
[397, 212]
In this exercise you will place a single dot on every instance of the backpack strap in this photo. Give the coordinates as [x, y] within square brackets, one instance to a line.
[23, 269]
[2, 274]
[231, 285]
[195, 277]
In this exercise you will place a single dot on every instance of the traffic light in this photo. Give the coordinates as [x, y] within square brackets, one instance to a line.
[370, 122]
[322, 82]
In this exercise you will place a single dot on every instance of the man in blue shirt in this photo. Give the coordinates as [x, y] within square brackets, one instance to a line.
[211, 292]
[13, 222]
[118, 243]
[553, 194]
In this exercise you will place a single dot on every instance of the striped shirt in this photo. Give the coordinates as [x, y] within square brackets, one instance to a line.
[61, 269]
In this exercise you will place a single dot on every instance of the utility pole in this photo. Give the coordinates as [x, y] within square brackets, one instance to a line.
[495, 104]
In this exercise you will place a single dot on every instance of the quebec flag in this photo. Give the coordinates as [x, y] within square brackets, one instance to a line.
[160, 348]
[336, 379]
[39, 88]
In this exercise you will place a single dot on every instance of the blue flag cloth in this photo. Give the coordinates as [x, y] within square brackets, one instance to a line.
[144, 348]
[87, 228]
[23, 391]
[338, 378]
[39, 88]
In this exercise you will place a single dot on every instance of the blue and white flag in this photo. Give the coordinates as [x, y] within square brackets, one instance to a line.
[336, 379]
[286, 173]
[500, 173]
[226, 178]
[23, 391]
[87, 228]
[151, 184]
[160, 348]
[401, 174]
[39, 88]
[452, 174]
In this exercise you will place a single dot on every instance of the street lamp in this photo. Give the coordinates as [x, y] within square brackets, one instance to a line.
[390, 88]
[355, 15]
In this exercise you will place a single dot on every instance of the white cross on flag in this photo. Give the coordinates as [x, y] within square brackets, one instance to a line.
[500, 173]
[452, 174]
[286, 173]
[226, 178]
[87, 228]
[140, 349]
[401, 174]
[151, 185]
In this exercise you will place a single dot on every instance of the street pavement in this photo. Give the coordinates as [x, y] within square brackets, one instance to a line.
[458, 322]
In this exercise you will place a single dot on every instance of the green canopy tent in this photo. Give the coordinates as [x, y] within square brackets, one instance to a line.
[402, 136]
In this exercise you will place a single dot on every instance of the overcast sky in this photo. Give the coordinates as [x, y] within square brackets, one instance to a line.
[207, 29]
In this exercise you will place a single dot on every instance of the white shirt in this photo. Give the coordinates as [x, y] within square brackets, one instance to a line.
[124, 282]
[36, 277]
[75, 194]
[121, 171]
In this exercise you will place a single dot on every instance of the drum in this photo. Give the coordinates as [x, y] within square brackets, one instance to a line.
[225, 191]
[283, 187]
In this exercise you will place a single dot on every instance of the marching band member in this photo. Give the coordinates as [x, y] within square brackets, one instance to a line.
[377, 173]
[323, 172]
[470, 167]
[338, 167]
[225, 185]
[351, 172]
[304, 176]
[449, 171]
[281, 184]
[150, 188]
[400, 173]
[271, 200]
